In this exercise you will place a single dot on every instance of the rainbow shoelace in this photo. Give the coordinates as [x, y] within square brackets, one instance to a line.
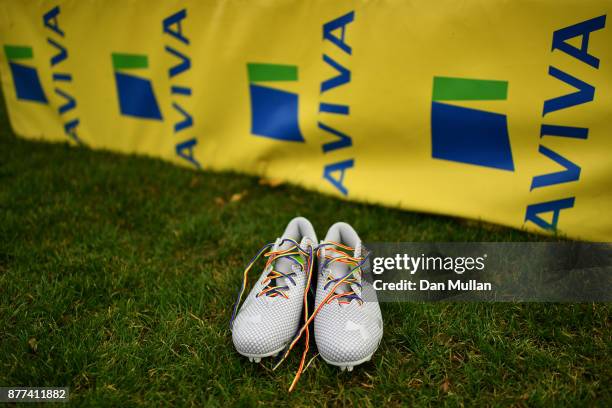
[294, 253]
[334, 252]
[353, 277]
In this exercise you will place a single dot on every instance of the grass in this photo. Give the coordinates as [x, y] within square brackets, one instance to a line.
[117, 275]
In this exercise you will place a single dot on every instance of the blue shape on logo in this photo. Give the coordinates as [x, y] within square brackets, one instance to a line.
[136, 97]
[470, 136]
[275, 114]
[27, 83]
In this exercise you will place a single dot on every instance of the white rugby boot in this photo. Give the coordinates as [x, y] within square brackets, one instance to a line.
[348, 324]
[269, 316]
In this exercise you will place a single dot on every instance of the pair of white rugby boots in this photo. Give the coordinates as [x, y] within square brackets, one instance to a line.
[348, 324]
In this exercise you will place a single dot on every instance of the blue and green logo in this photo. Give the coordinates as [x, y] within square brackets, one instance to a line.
[274, 112]
[25, 78]
[468, 135]
[136, 95]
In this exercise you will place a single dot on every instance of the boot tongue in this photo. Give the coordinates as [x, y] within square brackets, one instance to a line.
[286, 265]
[338, 270]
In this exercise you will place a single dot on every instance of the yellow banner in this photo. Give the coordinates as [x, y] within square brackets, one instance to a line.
[491, 110]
